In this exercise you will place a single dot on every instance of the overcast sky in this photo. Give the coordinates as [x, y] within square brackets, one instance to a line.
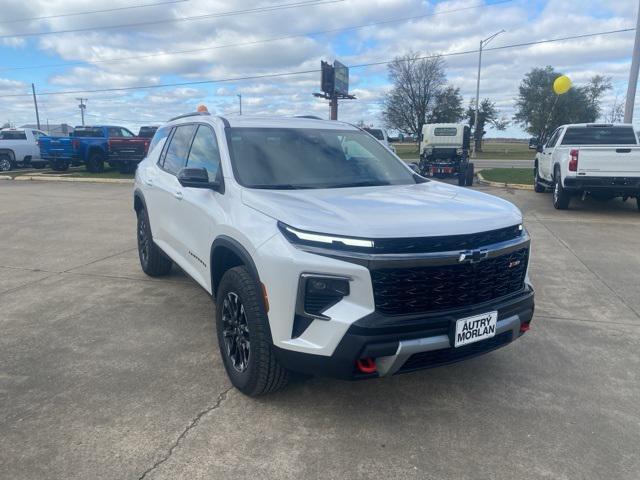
[76, 60]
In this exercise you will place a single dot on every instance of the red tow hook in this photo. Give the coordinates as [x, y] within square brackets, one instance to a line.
[524, 327]
[366, 365]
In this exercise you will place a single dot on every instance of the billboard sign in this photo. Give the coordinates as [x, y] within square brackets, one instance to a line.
[326, 79]
[341, 78]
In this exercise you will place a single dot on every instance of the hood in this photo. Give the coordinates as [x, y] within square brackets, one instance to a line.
[421, 210]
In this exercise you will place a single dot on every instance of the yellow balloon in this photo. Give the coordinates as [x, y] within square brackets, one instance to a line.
[561, 85]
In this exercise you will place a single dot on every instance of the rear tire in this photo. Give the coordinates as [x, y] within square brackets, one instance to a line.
[537, 186]
[244, 337]
[462, 179]
[470, 174]
[95, 164]
[153, 262]
[561, 198]
[638, 203]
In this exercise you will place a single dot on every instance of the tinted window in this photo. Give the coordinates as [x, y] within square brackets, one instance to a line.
[376, 132]
[87, 132]
[119, 132]
[204, 152]
[147, 132]
[599, 136]
[160, 135]
[445, 131]
[286, 158]
[176, 157]
[13, 135]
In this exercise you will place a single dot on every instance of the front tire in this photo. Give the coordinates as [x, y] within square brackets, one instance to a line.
[243, 335]
[95, 163]
[561, 198]
[153, 262]
[5, 164]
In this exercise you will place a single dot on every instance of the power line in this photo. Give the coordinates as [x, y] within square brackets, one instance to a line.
[116, 9]
[271, 8]
[256, 42]
[304, 72]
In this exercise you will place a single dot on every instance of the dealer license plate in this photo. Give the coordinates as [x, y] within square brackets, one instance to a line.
[476, 328]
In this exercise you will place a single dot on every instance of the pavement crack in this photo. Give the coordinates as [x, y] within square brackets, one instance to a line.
[192, 424]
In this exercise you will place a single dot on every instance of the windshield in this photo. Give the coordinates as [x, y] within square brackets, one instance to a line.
[13, 135]
[376, 132]
[604, 135]
[287, 158]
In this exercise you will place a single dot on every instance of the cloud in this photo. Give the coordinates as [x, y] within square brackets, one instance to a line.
[444, 33]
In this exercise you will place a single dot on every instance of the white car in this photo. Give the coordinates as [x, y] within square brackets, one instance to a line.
[19, 147]
[380, 134]
[323, 261]
[600, 160]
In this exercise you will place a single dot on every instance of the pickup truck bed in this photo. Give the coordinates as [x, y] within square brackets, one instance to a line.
[601, 160]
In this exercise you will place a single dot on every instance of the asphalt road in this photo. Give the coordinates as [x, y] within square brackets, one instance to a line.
[105, 373]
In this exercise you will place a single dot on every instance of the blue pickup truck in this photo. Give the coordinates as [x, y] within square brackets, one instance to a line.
[93, 146]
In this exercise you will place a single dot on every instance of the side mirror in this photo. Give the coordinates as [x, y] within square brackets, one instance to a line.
[197, 178]
[539, 148]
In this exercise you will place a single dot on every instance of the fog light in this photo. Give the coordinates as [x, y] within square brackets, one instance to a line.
[321, 293]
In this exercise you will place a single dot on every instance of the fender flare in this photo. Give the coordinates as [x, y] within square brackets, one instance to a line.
[237, 248]
[9, 152]
[138, 195]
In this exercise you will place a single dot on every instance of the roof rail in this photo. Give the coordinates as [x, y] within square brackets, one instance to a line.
[194, 114]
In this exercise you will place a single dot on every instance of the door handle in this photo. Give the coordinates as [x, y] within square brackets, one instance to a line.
[178, 195]
[149, 182]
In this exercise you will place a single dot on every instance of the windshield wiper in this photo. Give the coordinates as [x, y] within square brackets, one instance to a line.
[279, 186]
[364, 183]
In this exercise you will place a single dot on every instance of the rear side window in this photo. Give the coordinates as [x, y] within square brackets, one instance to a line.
[445, 131]
[87, 132]
[13, 135]
[204, 152]
[554, 138]
[599, 136]
[178, 150]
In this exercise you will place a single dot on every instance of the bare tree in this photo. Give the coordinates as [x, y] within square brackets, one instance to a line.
[615, 114]
[417, 85]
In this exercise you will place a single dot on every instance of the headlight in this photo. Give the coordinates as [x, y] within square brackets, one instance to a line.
[300, 237]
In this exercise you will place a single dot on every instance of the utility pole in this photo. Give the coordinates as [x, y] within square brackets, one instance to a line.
[240, 100]
[483, 43]
[35, 103]
[633, 75]
[82, 107]
[333, 104]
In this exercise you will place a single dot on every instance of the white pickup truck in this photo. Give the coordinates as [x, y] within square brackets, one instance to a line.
[19, 147]
[600, 160]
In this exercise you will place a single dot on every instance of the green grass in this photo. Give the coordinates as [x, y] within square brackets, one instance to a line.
[522, 176]
[490, 150]
[73, 172]
[108, 173]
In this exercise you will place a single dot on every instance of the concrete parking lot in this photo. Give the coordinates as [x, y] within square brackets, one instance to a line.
[106, 373]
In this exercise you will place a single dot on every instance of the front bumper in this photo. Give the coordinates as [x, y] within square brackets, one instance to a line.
[400, 344]
[618, 186]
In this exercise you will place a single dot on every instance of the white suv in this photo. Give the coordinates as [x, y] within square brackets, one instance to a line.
[325, 253]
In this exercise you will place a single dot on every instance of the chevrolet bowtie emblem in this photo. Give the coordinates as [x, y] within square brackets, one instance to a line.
[473, 256]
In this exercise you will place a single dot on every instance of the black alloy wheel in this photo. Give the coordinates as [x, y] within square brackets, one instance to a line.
[235, 331]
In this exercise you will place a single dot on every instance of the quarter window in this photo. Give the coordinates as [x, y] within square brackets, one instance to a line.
[176, 157]
[204, 152]
[554, 138]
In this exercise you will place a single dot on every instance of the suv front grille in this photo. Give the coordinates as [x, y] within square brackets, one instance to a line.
[414, 290]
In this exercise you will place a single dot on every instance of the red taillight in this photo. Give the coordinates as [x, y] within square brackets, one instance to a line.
[366, 365]
[573, 161]
[75, 143]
